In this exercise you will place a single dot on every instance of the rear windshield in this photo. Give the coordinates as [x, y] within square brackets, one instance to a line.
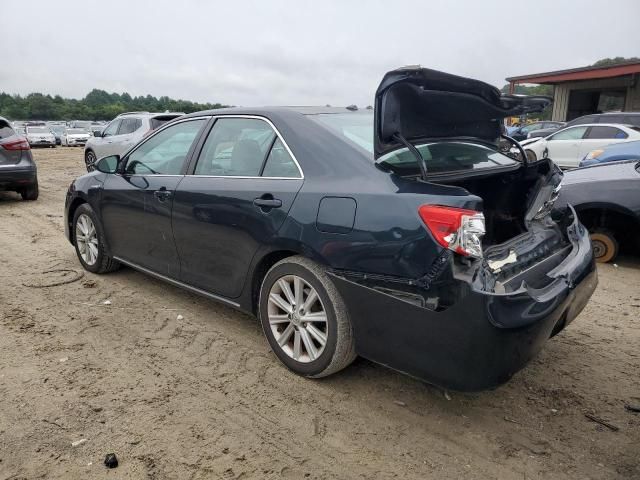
[445, 157]
[5, 129]
[441, 157]
[355, 127]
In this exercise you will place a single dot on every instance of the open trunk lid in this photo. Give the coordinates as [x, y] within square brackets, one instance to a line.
[421, 104]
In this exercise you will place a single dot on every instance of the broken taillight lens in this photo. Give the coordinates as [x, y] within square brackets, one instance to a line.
[457, 229]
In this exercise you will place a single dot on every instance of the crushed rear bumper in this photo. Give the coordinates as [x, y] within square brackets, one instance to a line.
[483, 338]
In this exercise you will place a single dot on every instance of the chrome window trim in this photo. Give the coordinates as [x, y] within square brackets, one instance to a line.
[244, 177]
[278, 134]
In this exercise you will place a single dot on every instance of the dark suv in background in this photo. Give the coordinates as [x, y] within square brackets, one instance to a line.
[17, 168]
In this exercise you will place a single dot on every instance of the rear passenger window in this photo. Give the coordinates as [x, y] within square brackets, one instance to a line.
[605, 132]
[5, 129]
[129, 125]
[280, 163]
[235, 147]
[575, 133]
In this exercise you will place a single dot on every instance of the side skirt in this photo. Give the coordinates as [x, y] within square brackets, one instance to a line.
[178, 283]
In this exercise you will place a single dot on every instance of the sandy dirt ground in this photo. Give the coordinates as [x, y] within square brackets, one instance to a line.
[203, 396]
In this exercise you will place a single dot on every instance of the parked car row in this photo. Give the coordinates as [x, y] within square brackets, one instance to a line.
[50, 134]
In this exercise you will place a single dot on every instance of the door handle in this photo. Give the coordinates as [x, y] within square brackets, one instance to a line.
[162, 194]
[267, 202]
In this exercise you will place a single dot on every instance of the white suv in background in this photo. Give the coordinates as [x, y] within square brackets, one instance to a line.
[122, 133]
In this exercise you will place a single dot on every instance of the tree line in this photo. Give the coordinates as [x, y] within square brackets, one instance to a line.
[97, 105]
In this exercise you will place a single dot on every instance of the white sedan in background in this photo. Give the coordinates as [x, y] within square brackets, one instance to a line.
[74, 136]
[567, 147]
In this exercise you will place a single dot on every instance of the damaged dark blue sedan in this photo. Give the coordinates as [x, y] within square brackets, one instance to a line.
[401, 234]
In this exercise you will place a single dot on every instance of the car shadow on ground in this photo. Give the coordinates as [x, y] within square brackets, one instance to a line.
[10, 197]
[365, 376]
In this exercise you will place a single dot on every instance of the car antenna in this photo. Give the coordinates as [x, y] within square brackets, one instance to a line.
[422, 163]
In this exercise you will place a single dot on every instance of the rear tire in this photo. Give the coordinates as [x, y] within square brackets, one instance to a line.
[90, 241]
[30, 193]
[313, 338]
[605, 245]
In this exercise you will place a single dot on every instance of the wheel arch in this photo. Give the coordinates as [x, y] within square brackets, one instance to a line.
[615, 217]
[262, 266]
[73, 206]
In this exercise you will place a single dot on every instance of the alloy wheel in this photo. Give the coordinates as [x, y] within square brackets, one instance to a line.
[297, 318]
[87, 239]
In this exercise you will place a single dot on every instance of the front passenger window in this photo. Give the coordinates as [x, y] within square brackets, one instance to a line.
[165, 153]
[111, 129]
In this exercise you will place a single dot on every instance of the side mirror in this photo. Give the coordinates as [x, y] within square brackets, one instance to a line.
[108, 164]
[97, 133]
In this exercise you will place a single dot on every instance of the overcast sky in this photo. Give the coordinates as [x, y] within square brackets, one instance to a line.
[295, 52]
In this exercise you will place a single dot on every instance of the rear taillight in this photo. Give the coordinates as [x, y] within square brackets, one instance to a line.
[15, 144]
[457, 229]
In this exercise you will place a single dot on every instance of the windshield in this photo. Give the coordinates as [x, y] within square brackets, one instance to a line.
[440, 157]
[38, 130]
[75, 130]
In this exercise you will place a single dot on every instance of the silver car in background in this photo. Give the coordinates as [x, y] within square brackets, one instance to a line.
[40, 136]
[123, 133]
[72, 137]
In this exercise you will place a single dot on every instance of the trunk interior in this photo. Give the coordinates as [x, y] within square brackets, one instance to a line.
[506, 199]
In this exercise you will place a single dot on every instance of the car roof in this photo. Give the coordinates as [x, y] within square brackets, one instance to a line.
[616, 125]
[615, 113]
[302, 109]
[149, 114]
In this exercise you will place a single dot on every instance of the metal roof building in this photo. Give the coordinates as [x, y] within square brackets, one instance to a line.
[585, 90]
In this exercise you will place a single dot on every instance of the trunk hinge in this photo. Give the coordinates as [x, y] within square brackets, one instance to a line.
[422, 163]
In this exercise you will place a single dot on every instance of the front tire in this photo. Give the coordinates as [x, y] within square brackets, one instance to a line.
[305, 318]
[90, 160]
[90, 241]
